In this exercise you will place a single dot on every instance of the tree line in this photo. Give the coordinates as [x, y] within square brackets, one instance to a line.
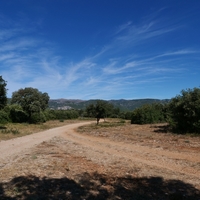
[29, 105]
[182, 113]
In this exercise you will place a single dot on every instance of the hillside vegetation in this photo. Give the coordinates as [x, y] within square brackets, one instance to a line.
[29, 105]
[122, 104]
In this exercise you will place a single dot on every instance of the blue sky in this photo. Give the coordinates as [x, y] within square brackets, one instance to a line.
[100, 49]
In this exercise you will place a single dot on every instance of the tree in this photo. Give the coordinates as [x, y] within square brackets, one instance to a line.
[184, 111]
[91, 110]
[3, 91]
[101, 109]
[32, 101]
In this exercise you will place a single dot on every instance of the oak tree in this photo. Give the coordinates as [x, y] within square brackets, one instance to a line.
[31, 100]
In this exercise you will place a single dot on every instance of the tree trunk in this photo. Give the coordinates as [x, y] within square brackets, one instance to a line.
[98, 119]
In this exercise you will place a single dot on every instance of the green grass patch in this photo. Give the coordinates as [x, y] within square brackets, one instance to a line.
[103, 124]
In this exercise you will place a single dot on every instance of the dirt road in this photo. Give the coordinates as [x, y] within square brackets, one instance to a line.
[116, 157]
[13, 147]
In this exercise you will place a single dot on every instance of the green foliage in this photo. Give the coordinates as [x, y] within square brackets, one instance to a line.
[32, 101]
[16, 114]
[148, 114]
[122, 104]
[91, 110]
[3, 91]
[126, 115]
[102, 109]
[37, 117]
[50, 114]
[4, 118]
[61, 114]
[184, 111]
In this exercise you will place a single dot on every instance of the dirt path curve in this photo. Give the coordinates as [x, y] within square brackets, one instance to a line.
[150, 161]
[176, 162]
[10, 148]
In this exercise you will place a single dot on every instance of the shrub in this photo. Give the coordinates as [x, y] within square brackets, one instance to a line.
[18, 116]
[50, 114]
[148, 114]
[184, 112]
[4, 118]
[37, 117]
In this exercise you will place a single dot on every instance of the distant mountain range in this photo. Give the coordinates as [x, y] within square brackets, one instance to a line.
[124, 105]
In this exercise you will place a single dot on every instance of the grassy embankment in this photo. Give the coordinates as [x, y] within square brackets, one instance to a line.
[13, 130]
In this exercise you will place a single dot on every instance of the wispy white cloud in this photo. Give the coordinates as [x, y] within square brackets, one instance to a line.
[122, 64]
[19, 45]
[137, 34]
[116, 68]
[179, 52]
[123, 27]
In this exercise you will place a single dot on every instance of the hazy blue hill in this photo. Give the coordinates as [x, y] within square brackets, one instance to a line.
[123, 104]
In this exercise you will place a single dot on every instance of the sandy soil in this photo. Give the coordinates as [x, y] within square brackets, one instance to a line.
[125, 162]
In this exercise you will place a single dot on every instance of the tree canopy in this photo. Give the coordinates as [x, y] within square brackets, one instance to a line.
[101, 109]
[31, 100]
[184, 111]
[3, 92]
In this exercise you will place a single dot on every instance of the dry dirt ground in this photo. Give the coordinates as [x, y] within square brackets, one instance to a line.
[101, 162]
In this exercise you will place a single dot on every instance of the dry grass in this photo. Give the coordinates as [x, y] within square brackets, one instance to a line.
[144, 135]
[13, 130]
[67, 169]
[108, 123]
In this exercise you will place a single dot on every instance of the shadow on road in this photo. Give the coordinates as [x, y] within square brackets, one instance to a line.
[2, 127]
[96, 186]
[161, 128]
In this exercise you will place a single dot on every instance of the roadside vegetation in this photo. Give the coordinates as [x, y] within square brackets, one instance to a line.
[182, 113]
[108, 123]
[104, 172]
[29, 106]
[13, 130]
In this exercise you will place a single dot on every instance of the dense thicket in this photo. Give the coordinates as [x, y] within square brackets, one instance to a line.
[149, 114]
[184, 111]
[16, 113]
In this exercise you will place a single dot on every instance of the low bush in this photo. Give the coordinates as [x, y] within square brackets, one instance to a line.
[149, 114]
[37, 118]
[4, 118]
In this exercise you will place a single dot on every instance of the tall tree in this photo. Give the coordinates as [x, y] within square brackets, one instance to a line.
[31, 100]
[3, 92]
